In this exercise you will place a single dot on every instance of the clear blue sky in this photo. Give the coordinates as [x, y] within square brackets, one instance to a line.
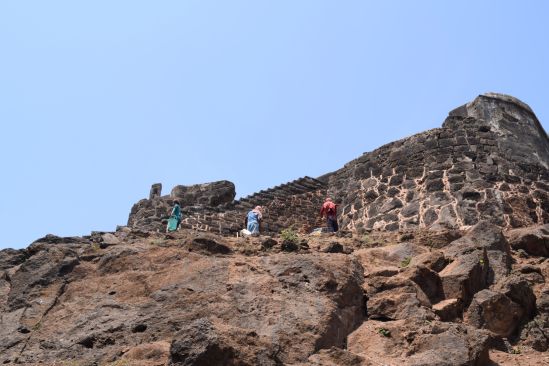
[100, 99]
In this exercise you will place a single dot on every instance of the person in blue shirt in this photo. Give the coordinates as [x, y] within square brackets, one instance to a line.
[253, 220]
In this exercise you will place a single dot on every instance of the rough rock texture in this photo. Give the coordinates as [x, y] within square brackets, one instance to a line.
[190, 298]
[414, 342]
[211, 194]
[441, 260]
[535, 242]
[78, 299]
[494, 311]
[480, 258]
[210, 207]
[489, 161]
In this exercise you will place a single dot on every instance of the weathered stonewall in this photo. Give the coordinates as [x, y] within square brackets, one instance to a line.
[488, 161]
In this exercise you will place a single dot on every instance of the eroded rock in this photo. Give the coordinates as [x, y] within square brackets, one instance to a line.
[495, 312]
[282, 307]
[415, 342]
[534, 241]
[465, 276]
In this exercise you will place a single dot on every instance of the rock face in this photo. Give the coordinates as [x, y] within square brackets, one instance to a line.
[442, 260]
[494, 311]
[413, 342]
[77, 299]
[535, 242]
[210, 194]
[189, 298]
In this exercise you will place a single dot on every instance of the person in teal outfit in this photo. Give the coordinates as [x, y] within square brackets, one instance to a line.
[176, 211]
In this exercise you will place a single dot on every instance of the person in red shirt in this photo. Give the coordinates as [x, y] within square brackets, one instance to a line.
[329, 209]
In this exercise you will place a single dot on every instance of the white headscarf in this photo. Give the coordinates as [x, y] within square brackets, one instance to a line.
[257, 210]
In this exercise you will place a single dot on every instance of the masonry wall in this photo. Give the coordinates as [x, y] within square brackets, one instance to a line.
[300, 212]
[488, 161]
[450, 177]
[295, 204]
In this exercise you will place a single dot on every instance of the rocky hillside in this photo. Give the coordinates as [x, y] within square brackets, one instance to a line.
[442, 260]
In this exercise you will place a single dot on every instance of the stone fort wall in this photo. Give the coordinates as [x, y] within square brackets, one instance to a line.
[488, 161]
[295, 204]
[452, 177]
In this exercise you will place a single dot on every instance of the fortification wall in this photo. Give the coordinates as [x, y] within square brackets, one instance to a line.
[451, 177]
[489, 160]
[295, 204]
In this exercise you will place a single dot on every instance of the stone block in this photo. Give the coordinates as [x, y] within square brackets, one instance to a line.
[495, 312]
[448, 310]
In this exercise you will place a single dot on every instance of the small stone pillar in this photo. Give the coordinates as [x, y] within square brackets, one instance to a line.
[156, 191]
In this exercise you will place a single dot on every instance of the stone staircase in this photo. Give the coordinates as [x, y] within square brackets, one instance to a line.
[293, 204]
[296, 187]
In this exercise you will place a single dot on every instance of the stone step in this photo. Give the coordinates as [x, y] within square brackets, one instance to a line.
[295, 187]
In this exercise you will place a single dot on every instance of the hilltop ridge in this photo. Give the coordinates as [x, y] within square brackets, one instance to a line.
[442, 259]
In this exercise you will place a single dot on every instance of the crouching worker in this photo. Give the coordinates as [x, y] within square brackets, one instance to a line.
[329, 209]
[253, 220]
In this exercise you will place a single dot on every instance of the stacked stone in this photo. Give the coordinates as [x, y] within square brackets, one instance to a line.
[206, 207]
[452, 177]
[300, 212]
[208, 194]
[150, 214]
[488, 161]
[147, 214]
[283, 191]
[294, 204]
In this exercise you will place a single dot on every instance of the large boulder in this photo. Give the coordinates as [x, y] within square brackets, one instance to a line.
[202, 343]
[390, 256]
[434, 260]
[518, 289]
[427, 280]
[489, 237]
[448, 310]
[407, 293]
[400, 283]
[392, 298]
[273, 309]
[536, 333]
[209, 194]
[495, 312]
[534, 241]
[416, 342]
[465, 276]
[479, 259]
